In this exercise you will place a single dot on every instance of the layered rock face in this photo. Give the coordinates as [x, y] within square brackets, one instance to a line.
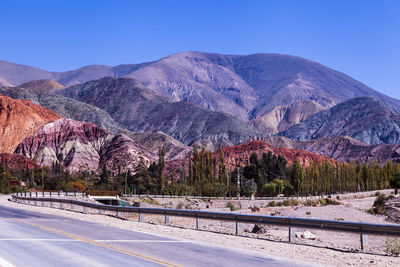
[80, 146]
[369, 120]
[19, 119]
[65, 107]
[140, 110]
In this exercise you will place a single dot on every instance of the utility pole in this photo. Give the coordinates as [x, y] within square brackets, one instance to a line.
[238, 181]
[126, 181]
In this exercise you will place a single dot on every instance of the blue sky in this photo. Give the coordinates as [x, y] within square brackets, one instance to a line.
[360, 38]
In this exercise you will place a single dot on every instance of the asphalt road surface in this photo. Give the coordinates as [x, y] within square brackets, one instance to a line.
[36, 239]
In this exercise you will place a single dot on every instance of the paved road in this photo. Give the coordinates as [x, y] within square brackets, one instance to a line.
[36, 239]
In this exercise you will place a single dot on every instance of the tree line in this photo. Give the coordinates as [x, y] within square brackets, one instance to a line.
[208, 175]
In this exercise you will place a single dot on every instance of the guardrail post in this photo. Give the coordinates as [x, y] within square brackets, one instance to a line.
[50, 194]
[43, 194]
[36, 193]
[198, 222]
[364, 241]
[166, 220]
[85, 210]
[237, 228]
[117, 213]
[140, 217]
[30, 194]
[292, 234]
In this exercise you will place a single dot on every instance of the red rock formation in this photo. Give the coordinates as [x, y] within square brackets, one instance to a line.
[240, 154]
[19, 119]
[16, 162]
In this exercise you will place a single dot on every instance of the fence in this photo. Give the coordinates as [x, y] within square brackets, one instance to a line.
[363, 229]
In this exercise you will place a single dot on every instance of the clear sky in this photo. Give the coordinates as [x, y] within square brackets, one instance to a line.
[358, 37]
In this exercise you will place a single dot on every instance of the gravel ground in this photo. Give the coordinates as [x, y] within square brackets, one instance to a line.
[274, 242]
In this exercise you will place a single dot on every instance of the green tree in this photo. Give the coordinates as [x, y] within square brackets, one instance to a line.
[395, 182]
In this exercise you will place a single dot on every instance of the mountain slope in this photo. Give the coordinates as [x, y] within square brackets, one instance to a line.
[81, 146]
[366, 119]
[49, 86]
[139, 109]
[18, 119]
[281, 118]
[341, 148]
[66, 107]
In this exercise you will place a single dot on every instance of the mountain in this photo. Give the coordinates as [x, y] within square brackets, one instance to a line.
[81, 146]
[340, 148]
[369, 120]
[49, 86]
[139, 109]
[66, 107]
[14, 74]
[153, 141]
[246, 87]
[281, 118]
[20, 118]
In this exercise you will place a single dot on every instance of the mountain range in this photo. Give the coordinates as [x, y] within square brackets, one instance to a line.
[198, 98]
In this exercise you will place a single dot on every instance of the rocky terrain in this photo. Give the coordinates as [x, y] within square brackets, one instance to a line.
[49, 86]
[152, 141]
[281, 118]
[369, 120]
[139, 109]
[81, 146]
[341, 148]
[19, 119]
[65, 107]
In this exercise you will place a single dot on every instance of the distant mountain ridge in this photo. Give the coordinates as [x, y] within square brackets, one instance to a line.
[369, 120]
[246, 87]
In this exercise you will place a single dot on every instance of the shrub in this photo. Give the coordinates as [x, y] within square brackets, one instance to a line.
[338, 197]
[379, 204]
[270, 189]
[272, 204]
[279, 204]
[294, 202]
[289, 190]
[180, 205]
[231, 206]
[377, 193]
[286, 202]
[392, 246]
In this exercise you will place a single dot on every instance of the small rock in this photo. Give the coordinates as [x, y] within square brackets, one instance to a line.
[258, 229]
[308, 235]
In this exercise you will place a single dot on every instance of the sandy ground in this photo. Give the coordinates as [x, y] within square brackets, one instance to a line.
[329, 249]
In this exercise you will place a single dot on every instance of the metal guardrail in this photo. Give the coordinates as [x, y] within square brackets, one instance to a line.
[51, 194]
[255, 198]
[363, 229]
